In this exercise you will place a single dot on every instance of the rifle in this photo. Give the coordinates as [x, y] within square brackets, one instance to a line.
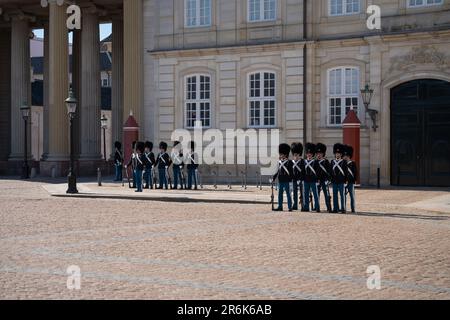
[272, 197]
[301, 194]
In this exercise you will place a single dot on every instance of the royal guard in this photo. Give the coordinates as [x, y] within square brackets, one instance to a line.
[192, 167]
[338, 178]
[132, 163]
[118, 161]
[297, 178]
[310, 177]
[140, 165]
[352, 176]
[324, 174]
[150, 162]
[284, 175]
[163, 163]
[178, 165]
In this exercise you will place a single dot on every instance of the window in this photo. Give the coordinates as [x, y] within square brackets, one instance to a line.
[343, 93]
[198, 13]
[344, 7]
[198, 100]
[261, 99]
[423, 3]
[261, 10]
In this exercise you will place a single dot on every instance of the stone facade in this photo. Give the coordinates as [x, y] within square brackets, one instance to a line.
[413, 44]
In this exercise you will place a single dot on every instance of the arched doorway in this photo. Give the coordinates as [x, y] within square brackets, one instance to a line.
[420, 133]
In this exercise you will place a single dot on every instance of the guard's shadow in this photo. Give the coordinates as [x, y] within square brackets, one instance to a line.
[405, 216]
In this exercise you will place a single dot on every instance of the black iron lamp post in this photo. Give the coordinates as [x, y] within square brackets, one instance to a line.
[367, 94]
[25, 110]
[104, 124]
[71, 104]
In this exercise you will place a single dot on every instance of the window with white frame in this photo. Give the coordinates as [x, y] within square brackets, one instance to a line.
[261, 10]
[343, 93]
[197, 13]
[198, 100]
[344, 7]
[423, 3]
[261, 99]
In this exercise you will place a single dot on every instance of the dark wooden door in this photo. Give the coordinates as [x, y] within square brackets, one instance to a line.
[420, 133]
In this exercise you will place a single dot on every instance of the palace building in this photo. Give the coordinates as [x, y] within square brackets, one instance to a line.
[293, 65]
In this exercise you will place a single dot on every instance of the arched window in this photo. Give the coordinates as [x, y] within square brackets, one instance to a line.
[261, 10]
[343, 93]
[344, 7]
[198, 100]
[197, 13]
[261, 99]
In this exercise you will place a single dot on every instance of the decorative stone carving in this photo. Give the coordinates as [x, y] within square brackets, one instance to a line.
[420, 56]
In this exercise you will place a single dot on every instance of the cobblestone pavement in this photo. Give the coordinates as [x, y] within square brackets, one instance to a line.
[160, 250]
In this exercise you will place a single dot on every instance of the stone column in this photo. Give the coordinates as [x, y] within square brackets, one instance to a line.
[76, 85]
[117, 80]
[20, 83]
[5, 93]
[58, 131]
[46, 90]
[133, 58]
[90, 86]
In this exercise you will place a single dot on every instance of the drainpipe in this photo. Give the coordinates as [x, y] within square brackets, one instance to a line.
[305, 69]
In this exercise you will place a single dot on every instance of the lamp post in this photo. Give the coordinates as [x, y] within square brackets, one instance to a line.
[367, 94]
[104, 125]
[25, 110]
[71, 104]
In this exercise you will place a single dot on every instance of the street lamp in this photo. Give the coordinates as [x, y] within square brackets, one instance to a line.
[367, 94]
[25, 110]
[104, 124]
[71, 104]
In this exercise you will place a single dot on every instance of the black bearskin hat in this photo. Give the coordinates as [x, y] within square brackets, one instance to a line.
[310, 148]
[149, 145]
[284, 149]
[321, 148]
[297, 148]
[163, 146]
[192, 145]
[338, 148]
[133, 145]
[348, 151]
[117, 145]
[140, 146]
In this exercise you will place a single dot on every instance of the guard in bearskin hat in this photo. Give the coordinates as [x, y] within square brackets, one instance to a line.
[284, 175]
[324, 174]
[297, 178]
[352, 172]
[140, 165]
[150, 162]
[163, 161]
[192, 167]
[118, 161]
[310, 177]
[339, 173]
[132, 163]
[178, 165]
